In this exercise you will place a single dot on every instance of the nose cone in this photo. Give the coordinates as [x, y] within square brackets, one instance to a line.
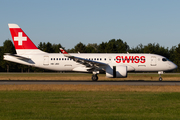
[173, 66]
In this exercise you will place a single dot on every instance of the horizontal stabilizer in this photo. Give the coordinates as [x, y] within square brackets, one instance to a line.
[18, 57]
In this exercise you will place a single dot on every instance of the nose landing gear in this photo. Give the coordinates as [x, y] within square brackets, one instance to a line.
[160, 78]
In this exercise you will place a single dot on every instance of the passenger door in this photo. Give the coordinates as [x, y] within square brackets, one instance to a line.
[153, 61]
[46, 60]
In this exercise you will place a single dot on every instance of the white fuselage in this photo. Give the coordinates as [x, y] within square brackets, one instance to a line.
[134, 62]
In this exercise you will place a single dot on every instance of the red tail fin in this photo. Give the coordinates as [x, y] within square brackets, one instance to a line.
[20, 39]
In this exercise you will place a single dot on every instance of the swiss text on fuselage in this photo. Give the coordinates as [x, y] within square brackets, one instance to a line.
[130, 59]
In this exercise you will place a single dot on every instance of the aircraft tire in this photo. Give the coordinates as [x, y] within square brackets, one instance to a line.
[160, 79]
[94, 77]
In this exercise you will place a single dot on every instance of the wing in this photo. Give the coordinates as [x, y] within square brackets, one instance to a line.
[83, 61]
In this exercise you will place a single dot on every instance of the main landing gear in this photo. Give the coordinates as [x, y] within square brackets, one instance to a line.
[94, 76]
[160, 78]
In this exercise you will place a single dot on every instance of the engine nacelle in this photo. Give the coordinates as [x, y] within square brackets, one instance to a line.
[116, 71]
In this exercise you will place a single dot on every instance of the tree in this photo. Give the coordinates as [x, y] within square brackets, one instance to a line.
[56, 47]
[8, 47]
[46, 47]
[172, 53]
[80, 47]
[156, 49]
[92, 48]
[71, 50]
[113, 46]
[121, 46]
[177, 57]
[137, 49]
[1, 58]
[102, 47]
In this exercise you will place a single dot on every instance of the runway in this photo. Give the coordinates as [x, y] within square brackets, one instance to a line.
[80, 82]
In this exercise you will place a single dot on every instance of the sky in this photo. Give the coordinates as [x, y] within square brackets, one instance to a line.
[69, 22]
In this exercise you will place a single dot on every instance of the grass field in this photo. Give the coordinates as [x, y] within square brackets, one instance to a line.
[89, 102]
[99, 105]
[78, 76]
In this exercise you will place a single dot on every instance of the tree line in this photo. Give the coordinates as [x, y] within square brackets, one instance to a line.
[112, 46]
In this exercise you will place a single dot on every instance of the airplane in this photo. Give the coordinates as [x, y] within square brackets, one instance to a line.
[115, 65]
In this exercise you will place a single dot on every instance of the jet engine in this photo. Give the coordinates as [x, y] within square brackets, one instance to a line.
[116, 71]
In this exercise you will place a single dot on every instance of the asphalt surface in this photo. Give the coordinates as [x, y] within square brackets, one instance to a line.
[80, 82]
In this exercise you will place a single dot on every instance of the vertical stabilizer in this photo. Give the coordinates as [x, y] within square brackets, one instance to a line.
[22, 42]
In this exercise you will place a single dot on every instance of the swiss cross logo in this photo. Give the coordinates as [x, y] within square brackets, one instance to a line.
[63, 51]
[20, 38]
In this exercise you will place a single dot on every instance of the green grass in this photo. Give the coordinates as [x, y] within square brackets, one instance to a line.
[59, 105]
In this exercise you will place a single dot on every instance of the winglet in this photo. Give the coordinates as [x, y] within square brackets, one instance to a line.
[64, 52]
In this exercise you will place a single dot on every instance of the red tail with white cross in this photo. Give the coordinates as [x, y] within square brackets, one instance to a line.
[20, 39]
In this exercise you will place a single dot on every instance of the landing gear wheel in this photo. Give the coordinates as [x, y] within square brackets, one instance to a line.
[160, 79]
[94, 77]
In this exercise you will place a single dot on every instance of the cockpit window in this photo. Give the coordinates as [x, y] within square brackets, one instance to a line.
[164, 59]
